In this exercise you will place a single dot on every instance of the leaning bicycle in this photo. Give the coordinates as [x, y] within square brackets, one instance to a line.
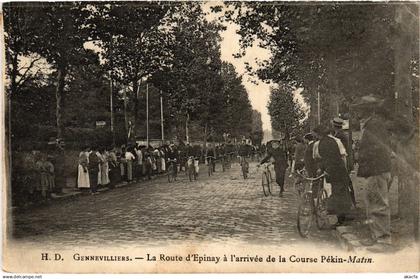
[172, 171]
[266, 179]
[312, 205]
[244, 167]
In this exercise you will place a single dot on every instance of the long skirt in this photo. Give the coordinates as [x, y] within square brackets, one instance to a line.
[163, 164]
[103, 178]
[339, 202]
[129, 170]
[82, 178]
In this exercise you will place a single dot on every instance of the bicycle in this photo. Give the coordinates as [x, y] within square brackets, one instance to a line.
[172, 170]
[223, 162]
[312, 205]
[299, 185]
[244, 167]
[266, 179]
[229, 160]
[210, 162]
[192, 166]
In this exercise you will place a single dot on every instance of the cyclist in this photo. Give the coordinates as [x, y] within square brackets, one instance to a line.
[172, 157]
[278, 152]
[229, 151]
[211, 156]
[244, 151]
[195, 152]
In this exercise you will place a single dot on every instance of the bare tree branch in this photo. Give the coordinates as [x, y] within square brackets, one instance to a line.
[23, 77]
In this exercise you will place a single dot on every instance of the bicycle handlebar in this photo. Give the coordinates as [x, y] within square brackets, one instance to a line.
[312, 178]
[266, 164]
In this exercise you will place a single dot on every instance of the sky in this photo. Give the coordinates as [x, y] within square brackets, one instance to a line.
[258, 93]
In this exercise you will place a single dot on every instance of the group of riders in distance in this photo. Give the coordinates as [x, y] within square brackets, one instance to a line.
[188, 158]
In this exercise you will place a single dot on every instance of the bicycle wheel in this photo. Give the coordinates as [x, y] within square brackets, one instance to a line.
[191, 173]
[321, 209]
[265, 184]
[245, 170]
[170, 174]
[271, 184]
[210, 169]
[305, 215]
[299, 187]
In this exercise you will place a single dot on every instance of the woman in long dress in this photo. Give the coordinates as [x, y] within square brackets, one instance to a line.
[129, 157]
[103, 176]
[82, 173]
[328, 150]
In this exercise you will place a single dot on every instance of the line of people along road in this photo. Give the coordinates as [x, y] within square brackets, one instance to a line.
[106, 167]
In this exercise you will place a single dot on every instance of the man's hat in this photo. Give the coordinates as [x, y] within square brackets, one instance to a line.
[309, 136]
[337, 122]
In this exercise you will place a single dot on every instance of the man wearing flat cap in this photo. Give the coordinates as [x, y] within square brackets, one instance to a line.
[277, 151]
[375, 166]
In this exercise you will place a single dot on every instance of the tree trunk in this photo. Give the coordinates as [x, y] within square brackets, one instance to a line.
[332, 87]
[136, 106]
[125, 114]
[205, 135]
[187, 136]
[59, 151]
[59, 96]
[403, 101]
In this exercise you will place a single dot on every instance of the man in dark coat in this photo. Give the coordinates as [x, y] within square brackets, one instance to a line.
[375, 166]
[331, 161]
[279, 153]
[310, 163]
[93, 169]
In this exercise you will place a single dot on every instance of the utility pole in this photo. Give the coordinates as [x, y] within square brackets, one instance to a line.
[186, 128]
[147, 114]
[111, 108]
[319, 108]
[161, 117]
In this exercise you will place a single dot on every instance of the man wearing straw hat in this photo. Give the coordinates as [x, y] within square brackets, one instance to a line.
[375, 166]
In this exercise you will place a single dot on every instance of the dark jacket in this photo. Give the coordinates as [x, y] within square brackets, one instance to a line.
[172, 154]
[331, 160]
[311, 165]
[374, 149]
[279, 155]
[341, 135]
[93, 162]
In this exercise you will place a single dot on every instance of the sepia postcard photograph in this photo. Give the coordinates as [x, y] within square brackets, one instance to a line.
[210, 137]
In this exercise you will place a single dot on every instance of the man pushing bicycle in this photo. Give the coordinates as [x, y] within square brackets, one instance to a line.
[277, 151]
